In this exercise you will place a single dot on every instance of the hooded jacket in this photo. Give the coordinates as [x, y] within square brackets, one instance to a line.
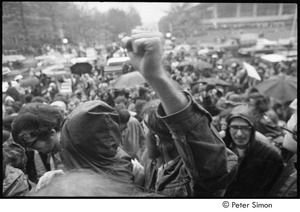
[90, 139]
[261, 165]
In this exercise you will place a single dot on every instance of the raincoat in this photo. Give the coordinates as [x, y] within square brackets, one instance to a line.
[15, 183]
[259, 168]
[90, 139]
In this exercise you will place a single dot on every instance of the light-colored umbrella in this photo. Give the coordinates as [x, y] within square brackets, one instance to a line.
[251, 71]
[129, 80]
[273, 58]
[55, 70]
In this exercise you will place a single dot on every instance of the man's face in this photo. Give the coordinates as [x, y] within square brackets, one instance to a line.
[240, 132]
[71, 106]
[48, 145]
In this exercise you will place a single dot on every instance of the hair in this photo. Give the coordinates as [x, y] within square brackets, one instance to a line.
[60, 97]
[37, 116]
[38, 99]
[142, 91]
[7, 121]
[17, 106]
[121, 99]
[155, 123]
[139, 105]
[28, 98]
[158, 127]
[124, 115]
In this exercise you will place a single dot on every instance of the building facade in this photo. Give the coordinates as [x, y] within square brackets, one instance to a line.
[276, 20]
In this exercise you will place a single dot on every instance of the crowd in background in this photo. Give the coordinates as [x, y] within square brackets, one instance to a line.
[271, 115]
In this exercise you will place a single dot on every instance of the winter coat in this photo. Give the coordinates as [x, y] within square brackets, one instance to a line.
[259, 168]
[286, 185]
[15, 183]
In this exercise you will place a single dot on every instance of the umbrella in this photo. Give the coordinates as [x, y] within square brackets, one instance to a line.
[273, 58]
[81, 68]
[282, 87]
[251, 71]
[55, 70]
[213, 81]
[129, 80]
[30, 81]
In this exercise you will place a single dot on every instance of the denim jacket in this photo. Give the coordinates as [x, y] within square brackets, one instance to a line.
[204, 167]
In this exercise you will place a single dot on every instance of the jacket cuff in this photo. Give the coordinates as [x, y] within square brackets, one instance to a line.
[185, 119]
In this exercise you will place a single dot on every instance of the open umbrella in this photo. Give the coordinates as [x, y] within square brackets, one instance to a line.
[30, 81]
[213, 81]
[129, 80]
[81, 68]
[282, 87]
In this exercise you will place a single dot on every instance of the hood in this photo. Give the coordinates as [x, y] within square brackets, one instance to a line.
[244, 112]
[90, 138]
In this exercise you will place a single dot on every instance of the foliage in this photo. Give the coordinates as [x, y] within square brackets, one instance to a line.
[78, 23]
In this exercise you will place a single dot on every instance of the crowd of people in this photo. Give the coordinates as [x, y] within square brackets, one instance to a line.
[174, 136]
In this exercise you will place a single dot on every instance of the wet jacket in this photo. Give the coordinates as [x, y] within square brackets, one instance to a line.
[204, 167]
[90, 139]
[259, 168]
[286, 185]
[15, 183]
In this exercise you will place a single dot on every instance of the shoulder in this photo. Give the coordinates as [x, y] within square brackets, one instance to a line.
[266, 151]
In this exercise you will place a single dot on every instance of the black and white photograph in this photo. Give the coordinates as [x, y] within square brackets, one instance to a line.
[150, 100]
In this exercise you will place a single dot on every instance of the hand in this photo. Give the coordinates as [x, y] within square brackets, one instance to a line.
[146, 52]
[47, 178]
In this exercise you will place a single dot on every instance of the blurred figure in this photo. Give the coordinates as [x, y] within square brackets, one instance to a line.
[286, 185]
[259, 105]
[133, 138]
[73, 103]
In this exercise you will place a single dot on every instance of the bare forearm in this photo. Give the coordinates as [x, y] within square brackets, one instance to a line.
[172, 99]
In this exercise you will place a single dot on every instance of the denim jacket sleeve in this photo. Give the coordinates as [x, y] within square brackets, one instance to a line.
[210, 165]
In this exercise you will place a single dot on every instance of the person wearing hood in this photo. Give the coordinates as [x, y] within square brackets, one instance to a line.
[260, 164]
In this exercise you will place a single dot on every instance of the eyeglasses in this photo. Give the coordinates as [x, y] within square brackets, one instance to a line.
[294, 134]
[235, 128]
[28, 139]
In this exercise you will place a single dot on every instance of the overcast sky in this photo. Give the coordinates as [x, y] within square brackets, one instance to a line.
[149, 12]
